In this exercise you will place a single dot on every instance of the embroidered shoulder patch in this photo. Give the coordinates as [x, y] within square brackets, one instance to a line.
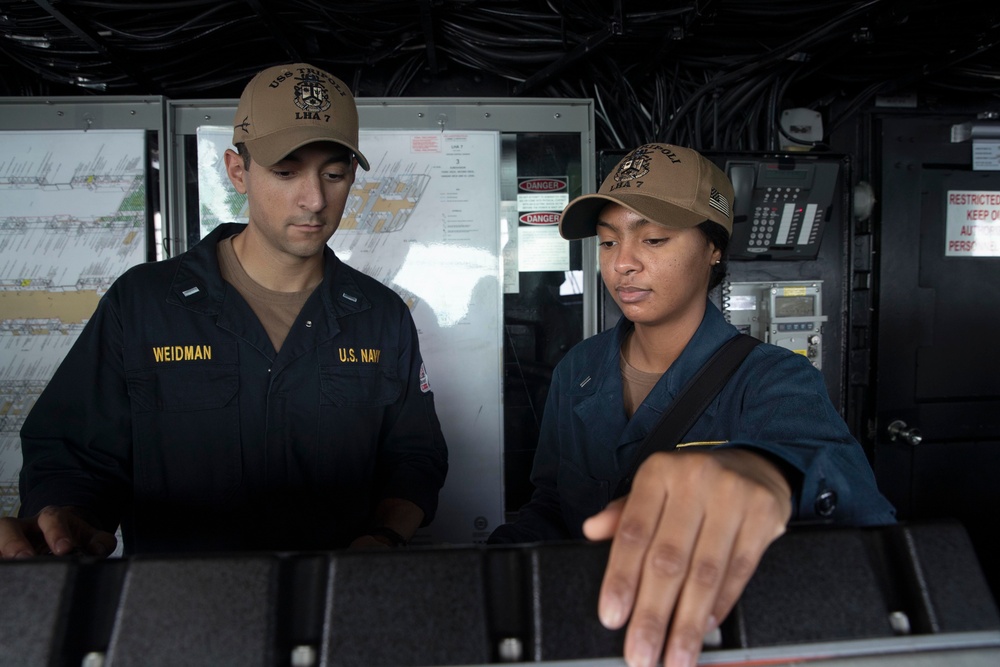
[425, 385]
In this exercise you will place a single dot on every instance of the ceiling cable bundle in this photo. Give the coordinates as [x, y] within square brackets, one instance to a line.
[714, 76]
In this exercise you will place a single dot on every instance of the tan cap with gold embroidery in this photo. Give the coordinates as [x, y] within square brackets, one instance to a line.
[671, 185]
[288, 106]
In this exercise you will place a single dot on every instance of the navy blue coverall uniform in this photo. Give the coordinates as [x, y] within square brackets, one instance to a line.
[776, 404]
[173, 415]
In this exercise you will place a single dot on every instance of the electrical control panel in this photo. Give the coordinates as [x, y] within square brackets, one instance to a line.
[788, 314]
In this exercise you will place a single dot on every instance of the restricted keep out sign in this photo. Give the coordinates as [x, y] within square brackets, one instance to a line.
[973, 228]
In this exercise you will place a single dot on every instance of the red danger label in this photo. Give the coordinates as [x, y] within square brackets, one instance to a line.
[543, 185]
[543, 218]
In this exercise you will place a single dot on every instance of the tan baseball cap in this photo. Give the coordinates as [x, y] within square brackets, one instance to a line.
[288, 106]
[671, 185]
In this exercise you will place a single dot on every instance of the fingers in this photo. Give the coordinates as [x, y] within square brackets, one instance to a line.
[636, 524]
[723, 559]
[763, 525]
[56, 530]
[602, 526]
[665, 571]
[101, 544]
[54, 522]
[369, 542]
[686, 542]
[13, 541]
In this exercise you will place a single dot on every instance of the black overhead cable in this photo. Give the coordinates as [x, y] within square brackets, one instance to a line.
[427, 21]
[706, 73]
[277, 30]
[121, 61]
[613, 28]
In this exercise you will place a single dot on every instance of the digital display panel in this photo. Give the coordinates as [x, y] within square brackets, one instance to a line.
[794, 306]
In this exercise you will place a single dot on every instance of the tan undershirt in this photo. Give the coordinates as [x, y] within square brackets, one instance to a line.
[636, 384]
[276, 311]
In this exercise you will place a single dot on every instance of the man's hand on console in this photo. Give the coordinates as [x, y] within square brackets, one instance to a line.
[59, 531]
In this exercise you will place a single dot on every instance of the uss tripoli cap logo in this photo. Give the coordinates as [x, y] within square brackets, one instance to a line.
[288, 106]
[670, 185]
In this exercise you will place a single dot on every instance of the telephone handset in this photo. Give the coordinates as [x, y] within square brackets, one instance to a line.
[780, 207]
[742, 177]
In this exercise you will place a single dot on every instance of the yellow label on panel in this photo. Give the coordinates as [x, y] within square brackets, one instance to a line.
[802, 352]
[794, 291]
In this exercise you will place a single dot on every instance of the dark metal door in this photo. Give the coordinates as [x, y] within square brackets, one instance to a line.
[937, 370]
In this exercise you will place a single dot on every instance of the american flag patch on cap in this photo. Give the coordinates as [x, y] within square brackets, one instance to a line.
[718, 201]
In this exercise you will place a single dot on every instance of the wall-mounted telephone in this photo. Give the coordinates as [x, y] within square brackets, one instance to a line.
[786, 314]
[780, 207]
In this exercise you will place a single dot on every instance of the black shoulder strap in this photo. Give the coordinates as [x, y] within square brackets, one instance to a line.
[678, 419]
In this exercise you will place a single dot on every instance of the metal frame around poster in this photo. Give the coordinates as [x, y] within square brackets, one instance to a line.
[32, 115]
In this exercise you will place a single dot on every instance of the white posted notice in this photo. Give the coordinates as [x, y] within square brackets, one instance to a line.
[973, 224]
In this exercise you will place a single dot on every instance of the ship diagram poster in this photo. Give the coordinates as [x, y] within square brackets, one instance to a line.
[72, 219]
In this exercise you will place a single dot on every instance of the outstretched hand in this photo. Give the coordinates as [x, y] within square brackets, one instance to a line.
[685, 542]
[59, 531]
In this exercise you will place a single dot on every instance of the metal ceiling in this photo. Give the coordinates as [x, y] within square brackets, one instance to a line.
[709, 73]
